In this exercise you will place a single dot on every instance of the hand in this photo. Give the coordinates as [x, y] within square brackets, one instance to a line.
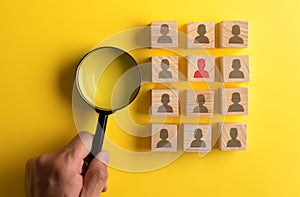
[59, 174]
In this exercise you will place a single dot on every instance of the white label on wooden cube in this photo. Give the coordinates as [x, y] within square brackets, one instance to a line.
[164, 34]
[201, 68]
[164, 137]
[233, 136]
[164, 68]
[235, 68]
[199, 103]
[234, 34]
[197, 138]
[164, 102]
[234, 101]
[200, 35]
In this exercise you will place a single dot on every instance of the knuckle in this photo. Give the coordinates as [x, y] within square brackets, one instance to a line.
[59, 162]
[103, 175]
[99, 176]
[41, 161]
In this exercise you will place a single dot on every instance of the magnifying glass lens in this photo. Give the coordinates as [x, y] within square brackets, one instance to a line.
[108, 79]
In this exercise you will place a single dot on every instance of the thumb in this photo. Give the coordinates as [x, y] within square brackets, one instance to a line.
[94, 181]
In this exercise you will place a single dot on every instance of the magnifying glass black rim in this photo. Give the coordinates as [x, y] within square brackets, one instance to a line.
[79, 89]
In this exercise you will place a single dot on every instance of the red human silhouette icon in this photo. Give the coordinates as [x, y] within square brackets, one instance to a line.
[201, 73]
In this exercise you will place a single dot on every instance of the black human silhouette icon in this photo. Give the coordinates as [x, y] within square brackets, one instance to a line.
[236, 73]
[165, 99]
[236, 107]
[201, 108]
[233, 142]
[164, 73]
[235, 39]
[164, 143]
[201, 38]
[164, 38]
[197, 143]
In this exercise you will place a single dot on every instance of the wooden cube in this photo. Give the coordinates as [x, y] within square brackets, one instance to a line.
[164, 69]
[164, 102]
[199, 103]
[233, 136]
[201, 68]
[197, 138]
[234, 34]
[164, 34]
[164, 137]
[200, 35]
[234, 101]
[235, 68]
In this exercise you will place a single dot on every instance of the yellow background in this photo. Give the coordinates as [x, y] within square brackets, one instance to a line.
[41, 43]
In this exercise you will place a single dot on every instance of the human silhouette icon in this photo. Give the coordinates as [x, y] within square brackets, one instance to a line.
[236, 107]
[233, 142]
[164, 73]
[165, 100]
[164, 143]
[200, 101]
[235, 39]
[201, 39]
[236, 73]
[201, 73]
[164, 38]
[197, 143]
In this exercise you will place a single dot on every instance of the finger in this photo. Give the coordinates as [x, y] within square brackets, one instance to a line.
[105, 188]
[104, 157]
[28, 177]
[81, 145]
[95, 178]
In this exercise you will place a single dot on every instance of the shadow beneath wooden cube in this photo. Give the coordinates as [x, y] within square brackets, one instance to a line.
[141, 35]
[215, 136]
[146, 69]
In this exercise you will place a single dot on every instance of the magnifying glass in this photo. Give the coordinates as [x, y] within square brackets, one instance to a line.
[108, 79]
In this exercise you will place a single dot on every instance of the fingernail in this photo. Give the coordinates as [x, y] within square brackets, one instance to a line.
[103, 156]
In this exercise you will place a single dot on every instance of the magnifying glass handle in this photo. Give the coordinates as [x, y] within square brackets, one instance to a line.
[97, 142]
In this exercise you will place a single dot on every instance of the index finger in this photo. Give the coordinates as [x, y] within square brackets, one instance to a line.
[81, 145]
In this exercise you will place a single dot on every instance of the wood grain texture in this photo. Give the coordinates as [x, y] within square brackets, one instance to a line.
[233, 136]
[200, 35]
[164, 34]
[199, 103]
[163, 105]
[194, 73]
[234, 101]
[164, 69]
[233, 34]
[164, 137]
[235, 68]
[197, 138]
